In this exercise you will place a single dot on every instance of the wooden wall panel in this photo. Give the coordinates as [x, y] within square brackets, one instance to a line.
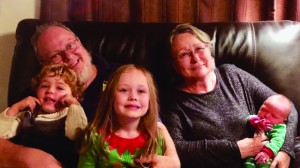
[81, 10]
[147, 10]
[297, 10]
[279, 13]
[214, 10]
[294, 10]
[187, 11]
[178, 11]
[95, 7]
[115, 10]
[172, 11]
[175, 11]
[249, 10]
[153, 10]
[54, 10]
[268, 10]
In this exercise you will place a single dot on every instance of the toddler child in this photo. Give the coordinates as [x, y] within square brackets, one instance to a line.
[53, 119]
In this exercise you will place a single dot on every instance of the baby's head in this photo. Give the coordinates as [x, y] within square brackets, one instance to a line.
[53, 82]
[275, 109]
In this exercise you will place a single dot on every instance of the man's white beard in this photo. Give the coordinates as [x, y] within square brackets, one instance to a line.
[86, 73]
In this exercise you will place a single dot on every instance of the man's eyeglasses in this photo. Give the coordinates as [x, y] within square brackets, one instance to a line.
[58, 57]
[187, 55]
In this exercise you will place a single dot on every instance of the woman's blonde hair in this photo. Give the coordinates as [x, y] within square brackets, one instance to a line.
[104, 119]
[65, 73]
[188, 28]
[177, 79]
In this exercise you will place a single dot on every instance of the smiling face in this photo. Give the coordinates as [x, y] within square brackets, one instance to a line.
[50, 90]
[131, 95]
[201, 62]
[56, 39]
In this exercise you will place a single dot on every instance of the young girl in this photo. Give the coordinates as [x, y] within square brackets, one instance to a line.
[50, 121]
[124, 132]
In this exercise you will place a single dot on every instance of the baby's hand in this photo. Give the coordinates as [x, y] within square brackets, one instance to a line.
[263, 125]
[66, 101]
[29, 103]
[262, 157]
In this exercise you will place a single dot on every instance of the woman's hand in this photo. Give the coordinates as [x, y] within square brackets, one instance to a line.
[281, 160]
[251, 146]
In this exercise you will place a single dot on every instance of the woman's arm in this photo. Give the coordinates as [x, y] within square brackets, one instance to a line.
[291, 132]
[206, 152]
[260, 93]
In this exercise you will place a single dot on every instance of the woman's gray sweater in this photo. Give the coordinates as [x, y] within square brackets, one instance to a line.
[206, 127]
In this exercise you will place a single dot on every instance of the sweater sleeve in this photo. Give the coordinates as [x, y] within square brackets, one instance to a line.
[9, 125]
[205, 152]
[259, 92]
[76, 122]
[291, 132]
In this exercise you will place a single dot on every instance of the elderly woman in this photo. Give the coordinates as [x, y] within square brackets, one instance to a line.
[206, 114]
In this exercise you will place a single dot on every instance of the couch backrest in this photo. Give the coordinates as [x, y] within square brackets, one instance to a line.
[268, 50]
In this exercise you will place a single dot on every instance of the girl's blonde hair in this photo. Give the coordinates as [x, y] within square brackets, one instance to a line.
[104, 119]
[65, 73]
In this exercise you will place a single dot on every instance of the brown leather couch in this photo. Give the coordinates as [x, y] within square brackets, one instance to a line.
[268, 50]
